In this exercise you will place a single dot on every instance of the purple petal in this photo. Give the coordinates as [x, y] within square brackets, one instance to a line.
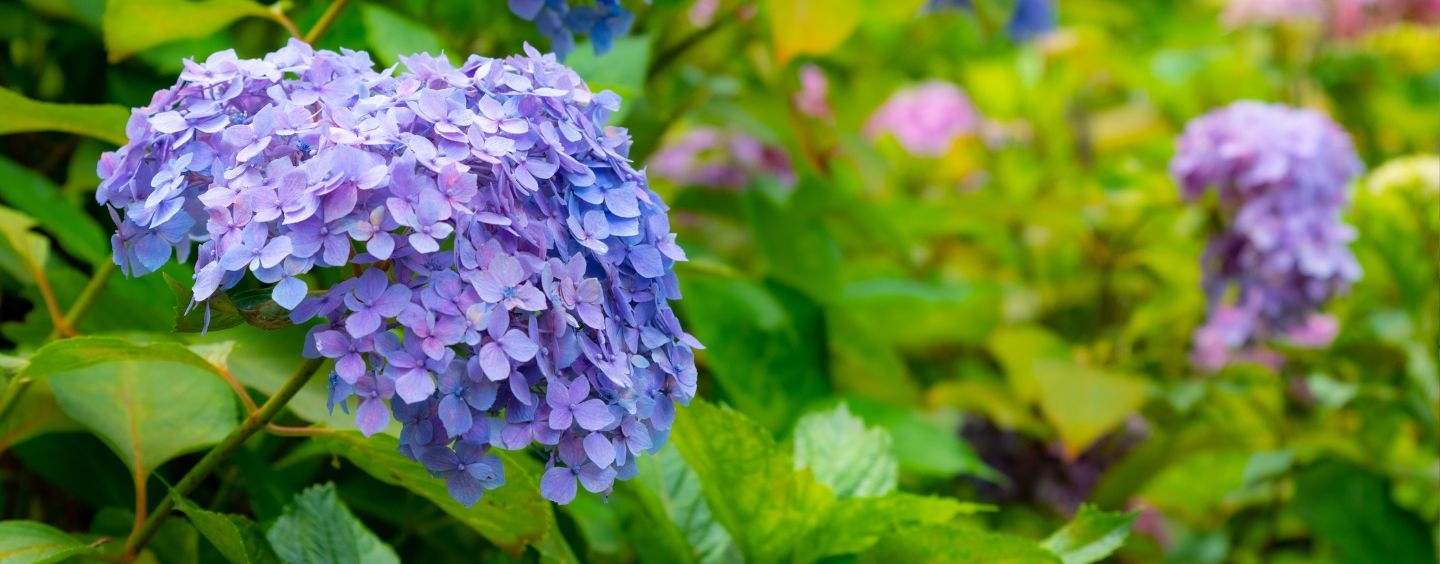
[455, 415]
[597, 480]
[646, 260]
[415, 386]
[593, 415]
[464, 488]
[289, 292]
[558, 485]
[600, 450]
[362, 323]
[372, 417]
[518, 346]
[494, 362]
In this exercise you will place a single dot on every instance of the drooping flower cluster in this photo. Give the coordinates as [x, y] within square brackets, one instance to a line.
[716, 158]
[926, 119]
[603, 21]
[1281, 177]
[512, 271]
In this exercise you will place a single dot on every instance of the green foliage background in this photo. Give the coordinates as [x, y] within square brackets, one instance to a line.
[980, 357]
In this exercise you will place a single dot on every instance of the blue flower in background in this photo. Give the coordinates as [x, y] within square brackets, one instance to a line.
[1030, 20]
[603, 21]
[515, 271]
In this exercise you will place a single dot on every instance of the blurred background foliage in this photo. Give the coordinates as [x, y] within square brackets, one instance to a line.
[1015, 314]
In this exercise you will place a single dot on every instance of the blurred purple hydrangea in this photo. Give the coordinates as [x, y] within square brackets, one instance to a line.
[513, 271]
[602, 20]
[1281, 177]
[926, 119]
[716, 158]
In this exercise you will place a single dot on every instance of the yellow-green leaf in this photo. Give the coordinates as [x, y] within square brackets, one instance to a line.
[1084, 403]
[19, 114]
[29, 542]
[813, 27]
[132, 26]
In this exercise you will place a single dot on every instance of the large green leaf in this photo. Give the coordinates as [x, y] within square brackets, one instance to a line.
[19, 114]
[36, 196]
[772, 511]
[676, 524]
[393, 35]
[22, 252]
[942, 544]
[1084, 403]
[1018, 349]
[34, 413]
[511, 516]
[149, 403]
[916, 314]
[764, 344]
[29, 542]
[236, 537]
[842, 453]
[1350, 508]
[132, 26]
[319, 528]
[921, 445]
[1091, 536]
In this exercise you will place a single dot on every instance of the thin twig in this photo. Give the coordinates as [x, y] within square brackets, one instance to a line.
[327, 19]
[47, 294]
[252, 424]
[89, 295]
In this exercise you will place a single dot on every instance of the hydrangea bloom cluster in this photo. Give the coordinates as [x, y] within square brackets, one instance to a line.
[926, 119]
[716, 158]
[512, 271]
[1280, 175]
[603, 21]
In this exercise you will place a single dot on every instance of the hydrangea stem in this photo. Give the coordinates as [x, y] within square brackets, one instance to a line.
[90, 294]
[327, 19]
[252, 424]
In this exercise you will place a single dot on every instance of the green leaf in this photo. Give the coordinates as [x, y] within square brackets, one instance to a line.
[394, 35]
[940, 544]
[622, 71]
[237, 538]
[749, 482]
[916, 314]
[774, 513]
[797, 246]
[1350, 508]
[678, 524]
[511, 517]
[1091, 536]
[149, 403]
[19, 114]
[22, 252]
[29, 542]
[222, 311]
[34, 413]
[764, 346]
[1085, 403]
[810, 26]
[921, 445]
[319, 528]
[132, 26]
[36, 196]
[1018, 349]
[842, 453]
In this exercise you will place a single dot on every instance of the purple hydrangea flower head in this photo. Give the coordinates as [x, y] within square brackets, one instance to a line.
[512, 271]
[926, 119]
[716, 158]
[1281, 177]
